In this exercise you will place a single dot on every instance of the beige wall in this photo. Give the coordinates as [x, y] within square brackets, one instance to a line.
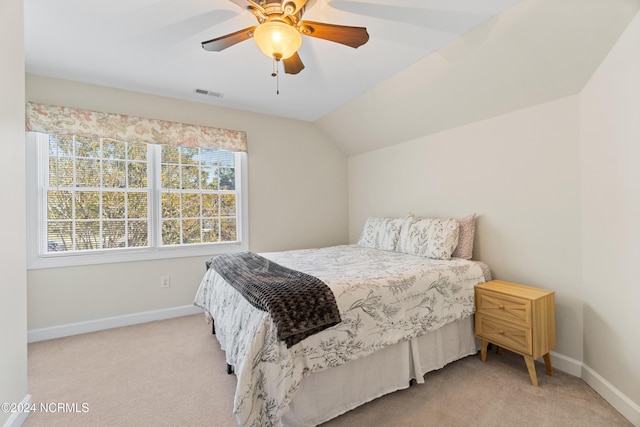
[610, 135]
[518, 172]
[297, 199]
[557, 190]
[13, 284]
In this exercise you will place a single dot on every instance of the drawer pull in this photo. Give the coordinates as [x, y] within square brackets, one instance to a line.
[501, 332]
[501, 307]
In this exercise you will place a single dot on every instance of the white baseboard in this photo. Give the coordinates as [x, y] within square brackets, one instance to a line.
[566, 364]
[629, 409]
[109, 323]
[17, 418]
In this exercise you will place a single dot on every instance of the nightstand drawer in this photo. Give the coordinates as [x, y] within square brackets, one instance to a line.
[513, 309]
[504, 334]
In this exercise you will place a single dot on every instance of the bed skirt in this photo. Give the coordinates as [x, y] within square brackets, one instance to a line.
[329, 393]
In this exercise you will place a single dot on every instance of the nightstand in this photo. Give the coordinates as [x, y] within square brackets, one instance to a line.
[518, 318]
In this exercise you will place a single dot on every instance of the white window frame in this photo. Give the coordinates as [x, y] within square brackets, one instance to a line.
[37, 260]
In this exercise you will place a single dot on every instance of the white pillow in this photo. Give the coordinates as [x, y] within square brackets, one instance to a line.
[381, 233]
[430, 238]
[404, 231]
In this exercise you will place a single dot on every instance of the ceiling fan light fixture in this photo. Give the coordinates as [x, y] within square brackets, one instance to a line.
[277, 39]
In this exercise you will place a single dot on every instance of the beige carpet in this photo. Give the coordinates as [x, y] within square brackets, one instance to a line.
[173, 373]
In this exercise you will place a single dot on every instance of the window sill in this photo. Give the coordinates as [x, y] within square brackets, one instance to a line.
[132, 255]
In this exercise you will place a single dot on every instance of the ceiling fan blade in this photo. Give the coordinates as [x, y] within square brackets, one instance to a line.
[293, 64]
[240, 3]
[309, 4]
[343, 34]
[220, 43]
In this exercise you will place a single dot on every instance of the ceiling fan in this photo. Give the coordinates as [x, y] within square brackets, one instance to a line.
[280, 29]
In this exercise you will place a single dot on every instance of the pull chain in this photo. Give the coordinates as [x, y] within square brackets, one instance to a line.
[275, 74]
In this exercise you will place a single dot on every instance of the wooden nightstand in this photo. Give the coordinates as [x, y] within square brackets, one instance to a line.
[518, 318]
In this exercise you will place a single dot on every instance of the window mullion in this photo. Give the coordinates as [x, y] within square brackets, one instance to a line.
[200, 198]
[154, 177]
[74, 195]
[101, 192]
[181, 194]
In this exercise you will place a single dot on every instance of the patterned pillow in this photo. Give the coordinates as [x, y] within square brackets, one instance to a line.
[404, 231]
[381, 233]
[430, 238]
[464, 249]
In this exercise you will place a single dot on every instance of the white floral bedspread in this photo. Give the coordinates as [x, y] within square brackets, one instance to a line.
[384, 297]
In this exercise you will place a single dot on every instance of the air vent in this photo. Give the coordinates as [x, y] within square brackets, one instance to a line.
[208, 92]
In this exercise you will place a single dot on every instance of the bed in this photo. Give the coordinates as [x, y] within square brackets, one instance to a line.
[402, 314]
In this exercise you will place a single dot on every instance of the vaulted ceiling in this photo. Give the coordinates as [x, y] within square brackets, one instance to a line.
[535, 52]
[429, 65]
[154, 46]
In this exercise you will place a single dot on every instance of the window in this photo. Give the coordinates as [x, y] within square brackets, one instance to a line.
[97, 200]
[95, 194]
[198, 188]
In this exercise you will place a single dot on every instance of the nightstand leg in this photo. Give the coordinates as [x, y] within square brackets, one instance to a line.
[547, 363]
[483, 351]
[531, 367]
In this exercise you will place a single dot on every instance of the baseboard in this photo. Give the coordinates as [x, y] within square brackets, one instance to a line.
[69, 329]
[18, 418]
[566, 364]
[629, 409]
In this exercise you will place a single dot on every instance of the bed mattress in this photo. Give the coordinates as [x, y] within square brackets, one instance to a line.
[384, 298]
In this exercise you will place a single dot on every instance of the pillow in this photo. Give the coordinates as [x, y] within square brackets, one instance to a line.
[467, 232]
[404, 231]
[430, 238]
[381, 233]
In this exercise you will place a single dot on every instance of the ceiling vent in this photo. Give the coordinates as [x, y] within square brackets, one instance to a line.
[208, 92]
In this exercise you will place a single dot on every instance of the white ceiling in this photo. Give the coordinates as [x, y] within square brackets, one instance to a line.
[535, 52]
[153, 46]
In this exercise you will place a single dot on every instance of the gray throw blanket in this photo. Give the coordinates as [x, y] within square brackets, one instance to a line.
[300, 305]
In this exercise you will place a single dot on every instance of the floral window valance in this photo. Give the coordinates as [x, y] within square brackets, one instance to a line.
[54, 119]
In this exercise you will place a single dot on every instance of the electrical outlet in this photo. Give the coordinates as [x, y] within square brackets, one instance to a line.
[165, 282]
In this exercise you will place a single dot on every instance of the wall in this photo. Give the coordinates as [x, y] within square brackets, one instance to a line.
[610, 143]
[297, 199]
[13, 285]
[557, 190]
[518, 172]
